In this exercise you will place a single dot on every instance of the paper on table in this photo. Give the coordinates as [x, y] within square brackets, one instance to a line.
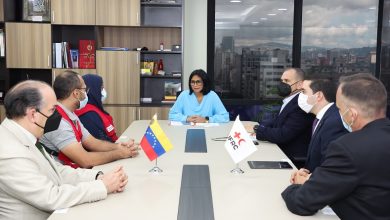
[206, 125]
[176, 123]
[328, 211]
[61, 211]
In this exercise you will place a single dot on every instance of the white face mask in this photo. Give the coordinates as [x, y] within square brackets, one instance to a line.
[83, 102]
[302, 102]
[346, 125]
[104, 94]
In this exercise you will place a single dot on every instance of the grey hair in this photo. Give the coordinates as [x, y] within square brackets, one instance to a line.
[22, 96]
[366, 93]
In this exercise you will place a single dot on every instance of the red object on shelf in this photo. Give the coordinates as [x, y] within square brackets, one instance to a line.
[160, 65]
[87, 54]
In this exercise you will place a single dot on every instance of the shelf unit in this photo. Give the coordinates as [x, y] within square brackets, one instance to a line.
[162, 14]
[127, 23]
[166, 16]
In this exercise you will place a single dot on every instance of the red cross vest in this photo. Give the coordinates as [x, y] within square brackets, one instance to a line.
[108, 123]
[78, 133]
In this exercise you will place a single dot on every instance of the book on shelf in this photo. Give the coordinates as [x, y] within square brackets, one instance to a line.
[58, 55]
[87, 54]
[170, 90]
[66, 61]
[74, 54]
[62, 56]
[2, 45]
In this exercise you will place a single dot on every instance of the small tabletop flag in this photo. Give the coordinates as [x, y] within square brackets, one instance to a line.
[154, 142]
[238, 144]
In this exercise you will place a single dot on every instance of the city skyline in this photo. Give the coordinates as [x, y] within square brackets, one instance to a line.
[254, 72]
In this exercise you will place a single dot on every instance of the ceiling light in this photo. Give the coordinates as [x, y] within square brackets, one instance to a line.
[272, 14]
[263, 19]
[255, 22]
[372, 8]
[282, 9]
[235, 1]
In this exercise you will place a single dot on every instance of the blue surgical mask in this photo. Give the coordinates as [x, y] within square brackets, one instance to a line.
[104, 94]
[83, 102]
[346, 125]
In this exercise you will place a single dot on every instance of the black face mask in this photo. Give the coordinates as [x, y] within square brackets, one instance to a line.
[52, 122]
[284, 89]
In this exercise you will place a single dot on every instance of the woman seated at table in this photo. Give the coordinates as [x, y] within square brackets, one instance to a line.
[198, 104]
[97, 121]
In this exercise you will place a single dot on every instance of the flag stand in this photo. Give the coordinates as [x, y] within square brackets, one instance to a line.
[237, 170]
[155, 169]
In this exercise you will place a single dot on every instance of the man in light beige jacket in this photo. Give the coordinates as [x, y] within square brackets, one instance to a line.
[32, 184]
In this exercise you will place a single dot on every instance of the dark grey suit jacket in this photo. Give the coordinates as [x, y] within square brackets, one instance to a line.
[329, 128]
[354, 179]
[290, 130]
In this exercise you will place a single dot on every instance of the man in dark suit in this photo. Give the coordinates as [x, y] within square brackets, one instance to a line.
[318, 97]
[354, 179]
[291, 129]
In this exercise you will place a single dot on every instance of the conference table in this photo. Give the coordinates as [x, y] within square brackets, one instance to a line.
[255, 194]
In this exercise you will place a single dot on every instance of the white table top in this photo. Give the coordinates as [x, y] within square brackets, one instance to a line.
[252, 195]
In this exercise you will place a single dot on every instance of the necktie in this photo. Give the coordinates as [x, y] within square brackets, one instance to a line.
[40, 148]
[315, 122]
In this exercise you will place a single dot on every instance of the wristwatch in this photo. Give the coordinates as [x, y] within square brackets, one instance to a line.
[98, 174]
[207, 119]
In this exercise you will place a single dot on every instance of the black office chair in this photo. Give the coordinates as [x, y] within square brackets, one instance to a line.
[177, 94]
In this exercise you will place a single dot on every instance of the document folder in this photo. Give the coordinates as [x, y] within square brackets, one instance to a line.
[269, 165]
[196, 141]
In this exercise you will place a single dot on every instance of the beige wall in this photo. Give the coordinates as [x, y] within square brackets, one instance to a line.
[195, 37]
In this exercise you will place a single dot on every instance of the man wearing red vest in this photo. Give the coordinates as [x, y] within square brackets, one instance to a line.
[32, 184]
[71, 143]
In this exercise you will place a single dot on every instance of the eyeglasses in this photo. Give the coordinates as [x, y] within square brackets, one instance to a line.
[86, 89]
[196, 82]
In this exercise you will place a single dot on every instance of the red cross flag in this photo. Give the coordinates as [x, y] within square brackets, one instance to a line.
[238, 144]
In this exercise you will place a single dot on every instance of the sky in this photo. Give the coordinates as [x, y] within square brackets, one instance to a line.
[326, 23]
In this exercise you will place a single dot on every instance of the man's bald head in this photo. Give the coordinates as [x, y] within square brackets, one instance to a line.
[27, 94]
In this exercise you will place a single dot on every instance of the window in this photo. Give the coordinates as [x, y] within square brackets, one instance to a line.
[253, 43]
[385, 52]
[339, 37]
[252, 39]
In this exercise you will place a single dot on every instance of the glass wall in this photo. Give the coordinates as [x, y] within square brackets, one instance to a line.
[385, 52]
[253, 44]
[339, 37]
[254, 40]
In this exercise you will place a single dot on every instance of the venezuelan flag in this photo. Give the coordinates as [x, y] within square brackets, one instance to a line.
[154, 142]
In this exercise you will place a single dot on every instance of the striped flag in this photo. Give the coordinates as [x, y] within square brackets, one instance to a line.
[154, 142]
